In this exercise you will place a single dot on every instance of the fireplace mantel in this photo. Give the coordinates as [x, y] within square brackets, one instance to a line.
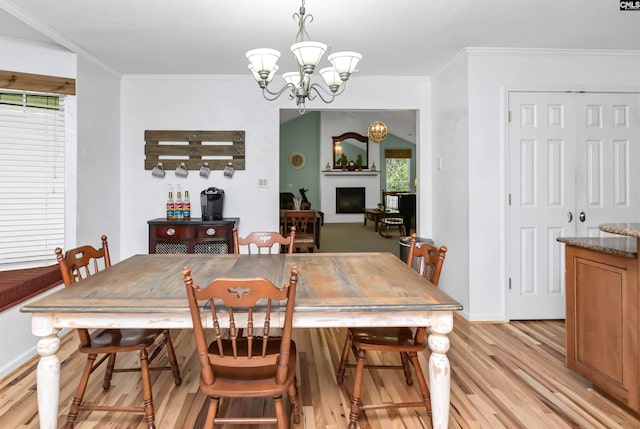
[350, 173]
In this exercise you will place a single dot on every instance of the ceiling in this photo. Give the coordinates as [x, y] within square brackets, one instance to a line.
[396, 38]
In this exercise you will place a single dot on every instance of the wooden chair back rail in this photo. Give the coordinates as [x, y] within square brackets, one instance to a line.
[303, 220]
[390, 200]
[264, 242]
[427, 260]
[236, 356]
[305, 224]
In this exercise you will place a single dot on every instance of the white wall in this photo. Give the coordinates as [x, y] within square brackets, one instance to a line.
[98, 152]
[490, 74]
[38, 58]
[450, 185]
[225, 103]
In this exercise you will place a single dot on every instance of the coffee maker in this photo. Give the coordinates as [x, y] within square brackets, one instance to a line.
[211, 200]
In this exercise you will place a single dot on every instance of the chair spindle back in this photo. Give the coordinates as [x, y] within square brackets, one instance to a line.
[245, 303]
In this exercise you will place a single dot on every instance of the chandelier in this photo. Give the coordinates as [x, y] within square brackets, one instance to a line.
[377, 131]
[263, 66]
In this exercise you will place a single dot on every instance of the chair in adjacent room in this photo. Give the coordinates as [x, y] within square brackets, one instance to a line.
[245, 367]
[306, 224]
[76, 265]
[391, 217]
[427, 260]
[266, 242]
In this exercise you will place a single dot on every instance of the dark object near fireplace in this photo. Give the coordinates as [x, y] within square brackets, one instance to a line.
[350, 200]
[407, 209]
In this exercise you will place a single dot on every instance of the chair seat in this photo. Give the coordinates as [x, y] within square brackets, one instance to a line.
[102, 340]
[235, 381]
[396, 339]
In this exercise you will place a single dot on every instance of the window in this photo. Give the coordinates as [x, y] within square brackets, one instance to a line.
[32, 178]
[397, 169]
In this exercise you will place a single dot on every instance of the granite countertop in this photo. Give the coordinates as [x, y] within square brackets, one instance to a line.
[627, 247]
[630, 229]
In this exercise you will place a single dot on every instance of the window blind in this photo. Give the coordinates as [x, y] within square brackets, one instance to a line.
[32, 161]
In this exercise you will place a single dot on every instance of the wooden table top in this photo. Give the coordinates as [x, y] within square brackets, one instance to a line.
[327, 282]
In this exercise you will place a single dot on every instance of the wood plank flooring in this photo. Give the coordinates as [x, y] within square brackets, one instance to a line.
[503, 376]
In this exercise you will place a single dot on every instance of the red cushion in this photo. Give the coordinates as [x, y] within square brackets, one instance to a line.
[19, 285]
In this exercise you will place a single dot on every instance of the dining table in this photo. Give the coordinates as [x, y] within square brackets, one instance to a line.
[334, 290]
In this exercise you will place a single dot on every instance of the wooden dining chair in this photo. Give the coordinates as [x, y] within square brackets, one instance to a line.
[427, 260]
[264, 242]
[76, 265]
[306, 224]
[245, 367]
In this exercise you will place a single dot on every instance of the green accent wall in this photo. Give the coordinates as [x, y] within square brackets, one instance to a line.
[301, 135]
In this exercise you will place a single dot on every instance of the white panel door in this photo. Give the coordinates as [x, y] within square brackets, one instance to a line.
[574, 163]
[608, 161]
[542, 147]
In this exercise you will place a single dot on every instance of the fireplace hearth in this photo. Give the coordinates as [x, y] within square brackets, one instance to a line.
[350, 200]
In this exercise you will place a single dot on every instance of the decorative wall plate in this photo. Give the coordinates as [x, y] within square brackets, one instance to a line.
[296, 160]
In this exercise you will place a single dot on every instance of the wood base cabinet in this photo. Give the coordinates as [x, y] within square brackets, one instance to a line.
[602, 322]
[191, 236]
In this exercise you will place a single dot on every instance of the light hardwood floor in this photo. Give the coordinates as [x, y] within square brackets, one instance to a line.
[503, 376]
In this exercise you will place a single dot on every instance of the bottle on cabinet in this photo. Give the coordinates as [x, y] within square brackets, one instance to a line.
[170, 206]
[186, 206]
[178, 205]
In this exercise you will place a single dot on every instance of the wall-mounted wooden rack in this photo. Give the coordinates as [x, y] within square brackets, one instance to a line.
[217, 148]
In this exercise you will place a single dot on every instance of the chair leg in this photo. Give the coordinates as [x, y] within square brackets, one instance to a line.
[407, 369]
[108, 373]
[173, 361]
[357, 388]
[422, 382]
[146, 388]
[281, 418]
[82, 387]
[345, 357]
[293, 401]
[211, 414]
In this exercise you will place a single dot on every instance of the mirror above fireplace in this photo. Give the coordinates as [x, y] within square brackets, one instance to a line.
[347, 148]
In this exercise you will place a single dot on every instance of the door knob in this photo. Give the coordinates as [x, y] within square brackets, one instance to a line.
[582, 216]
[570, 216]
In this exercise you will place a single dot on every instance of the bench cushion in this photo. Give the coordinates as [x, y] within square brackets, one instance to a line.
[17, 286]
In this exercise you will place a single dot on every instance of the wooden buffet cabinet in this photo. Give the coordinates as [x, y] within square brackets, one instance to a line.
[602, 323]
[191, 236]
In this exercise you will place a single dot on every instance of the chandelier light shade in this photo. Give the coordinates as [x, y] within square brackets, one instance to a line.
[308, 53]
[377, 131]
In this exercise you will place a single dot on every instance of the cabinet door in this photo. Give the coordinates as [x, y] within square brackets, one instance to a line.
[602, 322]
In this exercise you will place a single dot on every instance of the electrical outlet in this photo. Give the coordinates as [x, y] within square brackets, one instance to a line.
[263, 182]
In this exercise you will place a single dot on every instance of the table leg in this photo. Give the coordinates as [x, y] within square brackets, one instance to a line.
[440, 369]
[48, 372]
